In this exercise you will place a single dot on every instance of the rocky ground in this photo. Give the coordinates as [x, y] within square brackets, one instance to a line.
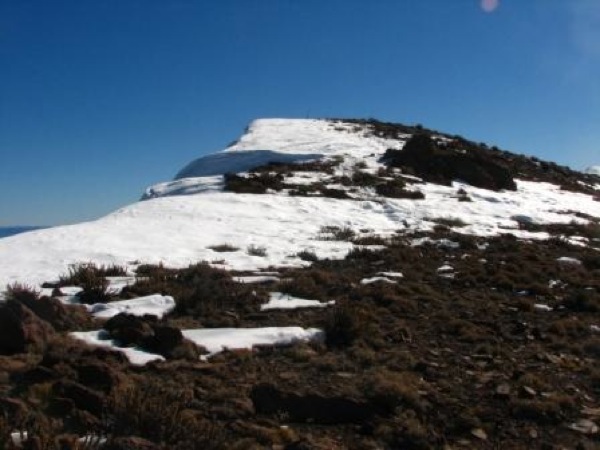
[481, 344]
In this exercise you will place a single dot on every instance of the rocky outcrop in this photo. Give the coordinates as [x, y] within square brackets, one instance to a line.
[444, 163]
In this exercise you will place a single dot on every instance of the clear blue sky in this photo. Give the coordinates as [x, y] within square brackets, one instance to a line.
[100, 98]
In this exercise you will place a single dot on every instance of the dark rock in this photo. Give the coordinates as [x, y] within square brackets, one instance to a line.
[164, 340]
[130, 443]
[128, 329]
[13, 409]
[82, 396]
[445, 163]
[316, 408]
[61, 317]
[38, 374]
[503, 390]
[22, 330]
[98, 375]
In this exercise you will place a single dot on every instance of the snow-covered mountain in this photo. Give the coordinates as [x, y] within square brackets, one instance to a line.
[593, 170]
[185, 220]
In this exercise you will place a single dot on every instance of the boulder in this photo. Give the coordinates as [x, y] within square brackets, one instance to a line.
[130, 443]
[61, 317]
[82, 397]
[98, 375]
[128, 329]
[316, 408]
[22, 330]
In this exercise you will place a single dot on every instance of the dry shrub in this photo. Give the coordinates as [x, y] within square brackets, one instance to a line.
[199, 290]
[92, 279]
[389, 390]
[159, 413]
[344, 325]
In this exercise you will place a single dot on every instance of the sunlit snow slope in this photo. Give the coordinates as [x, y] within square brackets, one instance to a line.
[179, 221]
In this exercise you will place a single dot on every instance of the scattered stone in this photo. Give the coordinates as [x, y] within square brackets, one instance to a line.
[479, 433]
[584, 426]
[528, 392]
[503, 390]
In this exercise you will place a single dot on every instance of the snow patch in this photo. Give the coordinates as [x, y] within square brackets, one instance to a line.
[278, 300]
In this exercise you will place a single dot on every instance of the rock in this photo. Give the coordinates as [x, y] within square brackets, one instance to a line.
[584, 426]
[98, 375]
[38, 374]
[14, 409]
[503, 390]
[130, 443]
[83, 397]
[128, 329]
[163, 340]
[527, 392]
[61, 317]
[268, 399]
[479, 433]
[22, 330]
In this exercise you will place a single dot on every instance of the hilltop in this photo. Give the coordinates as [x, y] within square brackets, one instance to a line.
[318, 284]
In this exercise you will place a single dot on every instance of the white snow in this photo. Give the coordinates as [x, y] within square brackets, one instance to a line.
[178, 230]
[567, 260]
[391, 274]
[156, 305]
[218, 339]
[542, 307]
[215, 340]
[372, 280]
[240, 161]
[278, 300]
[257, 279]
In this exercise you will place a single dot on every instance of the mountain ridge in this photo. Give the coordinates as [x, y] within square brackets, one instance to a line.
[351, 187]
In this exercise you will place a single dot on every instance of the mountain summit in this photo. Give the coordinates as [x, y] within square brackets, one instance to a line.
[286, 180]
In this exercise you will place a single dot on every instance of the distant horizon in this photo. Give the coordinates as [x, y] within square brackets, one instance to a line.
[101, 99]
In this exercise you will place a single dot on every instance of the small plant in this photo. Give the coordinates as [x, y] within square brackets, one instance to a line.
[307, 255]
[450, 222]
[91, 279]
[21, 293]
[80, 274]
[343, 325]
[334, 233]
[255, 250]
[223, 248]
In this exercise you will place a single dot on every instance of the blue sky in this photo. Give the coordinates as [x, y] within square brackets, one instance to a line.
[99, 99]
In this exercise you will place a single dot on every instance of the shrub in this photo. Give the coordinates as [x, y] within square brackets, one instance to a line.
[157, 412]
[396, 189]
[307, 255]
[223, 248]
[334, 233]
[91, 279]
[21, 293]
[255, 250]
[343, 325]
[253, 183]
[80, 274]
